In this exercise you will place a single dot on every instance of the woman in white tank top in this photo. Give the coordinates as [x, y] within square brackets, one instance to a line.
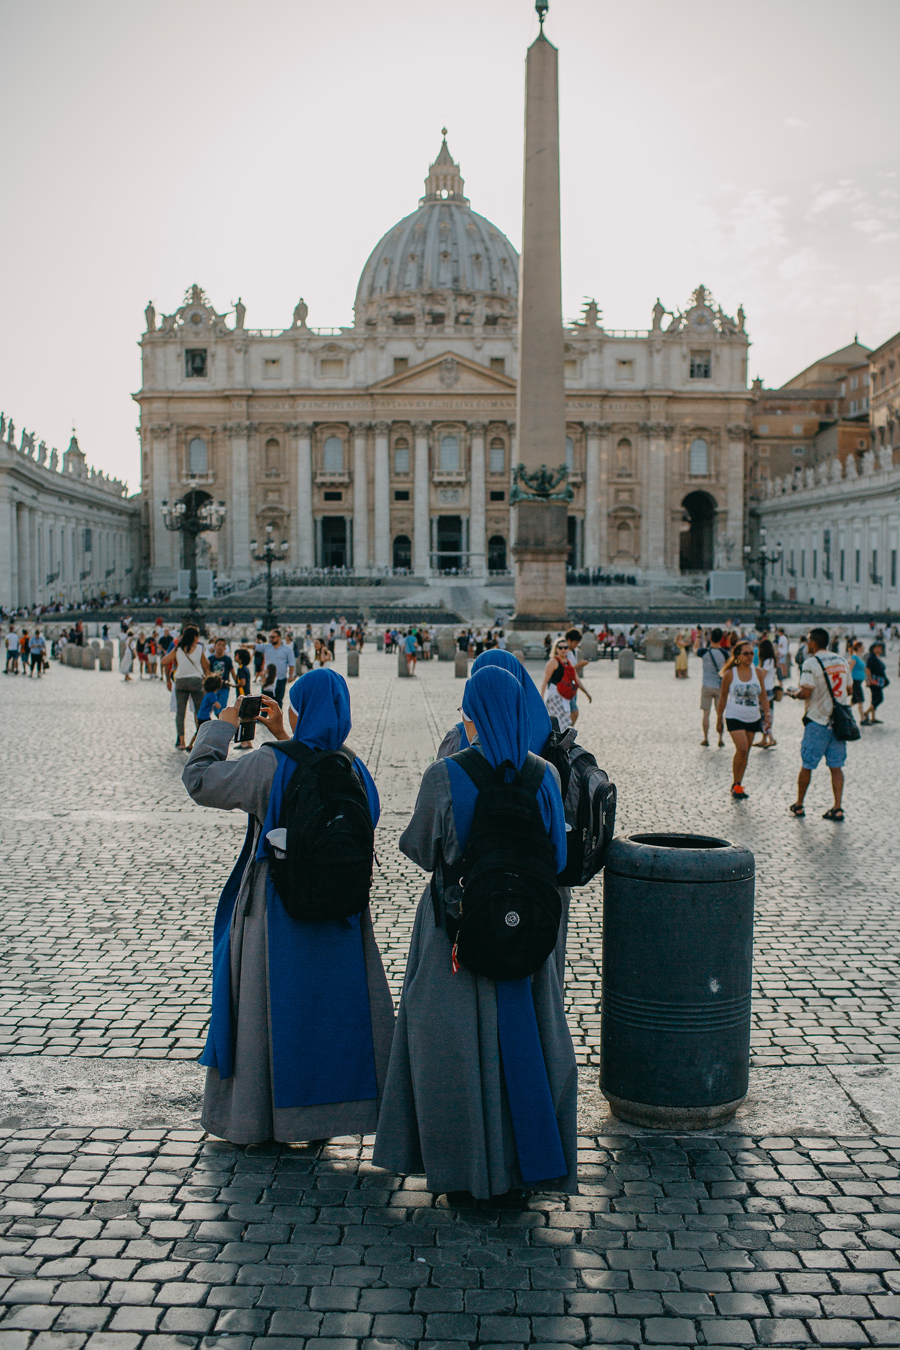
[744, 708]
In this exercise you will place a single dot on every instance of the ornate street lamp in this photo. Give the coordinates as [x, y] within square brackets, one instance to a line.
[268, 554]
[193, 514]
[762, 560]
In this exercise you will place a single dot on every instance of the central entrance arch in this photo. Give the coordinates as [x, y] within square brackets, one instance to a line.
[697, 541]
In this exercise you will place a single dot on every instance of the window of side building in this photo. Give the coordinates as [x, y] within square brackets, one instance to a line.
[701, 365]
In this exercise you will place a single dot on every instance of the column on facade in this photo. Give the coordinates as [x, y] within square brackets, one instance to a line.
[592, 554]
[421, 495]
[513, 463]
[360, 498]
[382, 496]
[304, 537]
[161, 540]
[240, 499]
[655, 517]
[477, 538]
[734, 496]
[9, 550]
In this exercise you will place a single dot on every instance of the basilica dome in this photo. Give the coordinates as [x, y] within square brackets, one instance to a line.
[442, 248]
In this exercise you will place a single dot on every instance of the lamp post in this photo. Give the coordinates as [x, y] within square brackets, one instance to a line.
[268, 554]
[762, 560]
[192, 515]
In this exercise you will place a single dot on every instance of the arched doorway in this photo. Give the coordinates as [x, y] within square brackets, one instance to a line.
[697, 540]
[402, 553]
[496, 553]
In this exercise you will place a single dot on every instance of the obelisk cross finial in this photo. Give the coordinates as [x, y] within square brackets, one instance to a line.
[542, 6]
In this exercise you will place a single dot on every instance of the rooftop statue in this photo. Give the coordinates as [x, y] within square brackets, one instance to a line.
[150, 316]
[301, 310]
[240, 311]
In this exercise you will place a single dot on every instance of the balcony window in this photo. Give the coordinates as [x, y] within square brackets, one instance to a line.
[449, 455]
[701, 365]
[699, 458]
[198, 460]
[401, 456]
[333, 455]
[497, 461]
[273, 458]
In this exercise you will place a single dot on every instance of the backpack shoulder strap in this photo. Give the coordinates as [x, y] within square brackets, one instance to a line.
[294, 750]
[531, 775]
[476, 767]
[827, 680]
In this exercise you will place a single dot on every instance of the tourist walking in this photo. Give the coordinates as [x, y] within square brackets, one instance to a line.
[409, 646]
[12, 652]
[858, 672]
[681, 660]
[482, 1087]
[189, 665]
[279, 655]
[824, 681]
[126, 661]
[560, 684]
[714, 656]
[783, 651]
[768, 668]
[37, 648]
[302, 1016]
[220, 663]
[876, 679]
[744, 709]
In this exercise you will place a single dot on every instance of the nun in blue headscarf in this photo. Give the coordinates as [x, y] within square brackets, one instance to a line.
[302, 1017]
[482, 1086]
[538, 717]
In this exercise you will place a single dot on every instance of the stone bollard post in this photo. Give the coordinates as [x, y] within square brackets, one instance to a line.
[402, 668]
[519, 654]
[88, 658]
[352, 665]
[587, 647]
[105, 662]
[654, 645]
[461, 666]
[626, 664]
[379, 642]
[446, 646]
[73, 655]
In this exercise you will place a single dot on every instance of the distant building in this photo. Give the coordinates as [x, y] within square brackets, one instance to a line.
[834, 513]
[66, 532]
[388, 444]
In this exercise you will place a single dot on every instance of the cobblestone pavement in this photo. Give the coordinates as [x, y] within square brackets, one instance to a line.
[117, 1239]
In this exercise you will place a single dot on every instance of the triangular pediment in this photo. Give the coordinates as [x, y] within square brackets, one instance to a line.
[447, 372]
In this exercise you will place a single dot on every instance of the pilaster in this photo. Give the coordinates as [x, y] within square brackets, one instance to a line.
[477, 540]
[382, 496]
[592, 554]
[305, 535]
[361, 562]
[421, 525]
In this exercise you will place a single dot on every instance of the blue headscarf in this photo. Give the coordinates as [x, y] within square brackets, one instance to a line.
[321, 701]
[538, 717]
[495, 702]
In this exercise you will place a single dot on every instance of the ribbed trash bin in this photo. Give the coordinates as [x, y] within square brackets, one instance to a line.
[677, 968]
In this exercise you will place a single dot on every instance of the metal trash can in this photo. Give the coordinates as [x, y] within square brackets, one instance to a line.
[677, 968]
[626, 664]
[352, 664]
[461, 669]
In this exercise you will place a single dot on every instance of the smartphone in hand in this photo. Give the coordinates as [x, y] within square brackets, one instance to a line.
[248, 711]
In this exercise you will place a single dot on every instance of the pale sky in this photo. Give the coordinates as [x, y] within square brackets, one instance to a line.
[262, 149]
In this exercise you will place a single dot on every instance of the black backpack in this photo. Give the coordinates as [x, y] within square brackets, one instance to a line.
[326, 871]
[589, 802]
[510, 909]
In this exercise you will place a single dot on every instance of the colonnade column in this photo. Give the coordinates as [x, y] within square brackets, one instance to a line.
[382, 496]
[513, 464]
[592, 496]
[240, 500]
[360, 498]
[421, 523]
[305, 537]
[734, 479]
[161, 540]
[477, 540]
[605, 429]
[9, 551]
[655, 533]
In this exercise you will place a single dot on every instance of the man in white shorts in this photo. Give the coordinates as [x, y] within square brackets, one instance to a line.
[714, 658]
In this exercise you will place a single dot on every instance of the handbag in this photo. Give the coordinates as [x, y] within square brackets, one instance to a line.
[843, 723]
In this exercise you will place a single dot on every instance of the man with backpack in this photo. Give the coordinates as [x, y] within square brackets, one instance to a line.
[482, 1084]
[825, 686]
[714, 655]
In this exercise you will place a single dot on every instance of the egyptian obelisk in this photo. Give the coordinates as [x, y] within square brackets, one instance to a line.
[540, 540]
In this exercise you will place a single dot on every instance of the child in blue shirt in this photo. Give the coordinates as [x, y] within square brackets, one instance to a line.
[212, 699]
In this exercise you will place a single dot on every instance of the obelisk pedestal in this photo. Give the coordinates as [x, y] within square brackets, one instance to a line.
[540, 544]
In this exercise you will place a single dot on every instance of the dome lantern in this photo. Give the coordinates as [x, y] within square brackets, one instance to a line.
[444, 181]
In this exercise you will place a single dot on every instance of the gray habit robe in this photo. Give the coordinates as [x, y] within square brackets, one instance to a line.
[241, 1108]
[445, 1110]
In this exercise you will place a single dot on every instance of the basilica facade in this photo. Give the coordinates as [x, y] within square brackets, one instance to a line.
[388, 444]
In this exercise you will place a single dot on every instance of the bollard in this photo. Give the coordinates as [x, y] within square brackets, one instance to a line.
[88, 658]
[379, 642]
[587, 647]
[677, 968]
[402, 668]
[95, 644]
[654, 645]
[626, 664]
[105, 662]
[73, 655]
[352, 665]
[461, 666]
[519, 654]
[446, 646]
[107, 644]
